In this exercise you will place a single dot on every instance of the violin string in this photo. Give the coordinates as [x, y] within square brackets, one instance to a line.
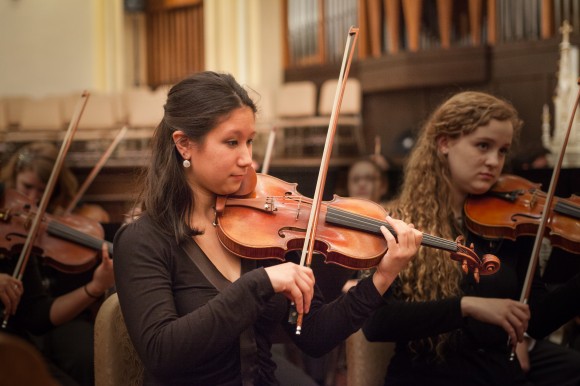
[355, 221]
[372, 225]
[562, 206]
[567, 208]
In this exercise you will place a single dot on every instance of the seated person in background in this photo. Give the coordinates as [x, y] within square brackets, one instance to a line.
[31, 311]
[70, 345]
[28, 172]
[367, 179]
[533, 159]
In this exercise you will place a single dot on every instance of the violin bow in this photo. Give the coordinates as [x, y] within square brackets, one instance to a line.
[33, 232]
[96, 169]
[308, 248]
[526, 289]
[377, 151]
[269, 150]
[377, 155]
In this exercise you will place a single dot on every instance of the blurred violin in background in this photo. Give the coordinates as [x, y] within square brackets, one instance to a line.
[513, 208]
[70, 243]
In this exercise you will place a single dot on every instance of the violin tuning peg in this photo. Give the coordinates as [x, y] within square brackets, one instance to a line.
[476, 275]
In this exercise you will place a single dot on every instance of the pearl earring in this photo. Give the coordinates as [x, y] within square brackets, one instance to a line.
[186, 163]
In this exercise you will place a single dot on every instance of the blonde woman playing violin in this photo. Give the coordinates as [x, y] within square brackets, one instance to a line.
[449, 329]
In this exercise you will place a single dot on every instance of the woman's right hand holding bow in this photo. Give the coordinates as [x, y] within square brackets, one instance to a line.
[511, 315]
[294, 281]
[10, 292]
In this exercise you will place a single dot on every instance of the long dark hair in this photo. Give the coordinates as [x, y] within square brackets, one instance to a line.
[195, 106]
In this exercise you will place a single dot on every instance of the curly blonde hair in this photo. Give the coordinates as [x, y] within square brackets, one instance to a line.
[40, 158]
[425, 197]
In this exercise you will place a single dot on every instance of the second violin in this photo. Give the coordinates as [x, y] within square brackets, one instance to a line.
[513, 208]
[67, 243]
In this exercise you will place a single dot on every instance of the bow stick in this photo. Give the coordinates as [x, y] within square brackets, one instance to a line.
[269, 149]
[308, 248]
[377, 152]
[96, 169]
[545, 215]
[27, 248]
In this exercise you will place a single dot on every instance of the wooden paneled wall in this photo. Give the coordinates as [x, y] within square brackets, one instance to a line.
[175, 41]
[400, 91]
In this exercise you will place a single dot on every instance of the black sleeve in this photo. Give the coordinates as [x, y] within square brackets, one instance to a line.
[400, 320]
[328, 324]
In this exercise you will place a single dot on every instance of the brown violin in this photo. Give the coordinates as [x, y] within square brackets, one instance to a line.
[514, 206]
[272, 220]
[70, 243]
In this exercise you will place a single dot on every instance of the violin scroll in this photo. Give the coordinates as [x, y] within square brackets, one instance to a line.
[470, 261]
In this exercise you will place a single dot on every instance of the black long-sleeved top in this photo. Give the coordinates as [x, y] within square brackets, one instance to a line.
[478, 353]
[187, 332]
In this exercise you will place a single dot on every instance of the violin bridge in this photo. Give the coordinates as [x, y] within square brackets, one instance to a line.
[298, 209]
[269, 205]
[533, 200]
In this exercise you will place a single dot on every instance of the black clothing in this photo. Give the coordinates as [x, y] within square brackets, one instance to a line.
[32, 316]
[477, 353]
[33, 312]
[68, 348]
[187, 332]
[553, 364]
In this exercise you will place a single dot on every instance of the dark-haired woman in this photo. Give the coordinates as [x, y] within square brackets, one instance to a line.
[205, 316]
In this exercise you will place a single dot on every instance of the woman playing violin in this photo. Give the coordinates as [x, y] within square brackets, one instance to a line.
[186, 330]
[448, 329]
[51, 309]
[28, 171]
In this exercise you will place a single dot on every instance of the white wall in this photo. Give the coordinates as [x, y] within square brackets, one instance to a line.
[61, 46]
[243, 37]
[46, 46]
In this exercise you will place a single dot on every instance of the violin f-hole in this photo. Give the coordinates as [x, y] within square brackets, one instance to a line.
[290, 229]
